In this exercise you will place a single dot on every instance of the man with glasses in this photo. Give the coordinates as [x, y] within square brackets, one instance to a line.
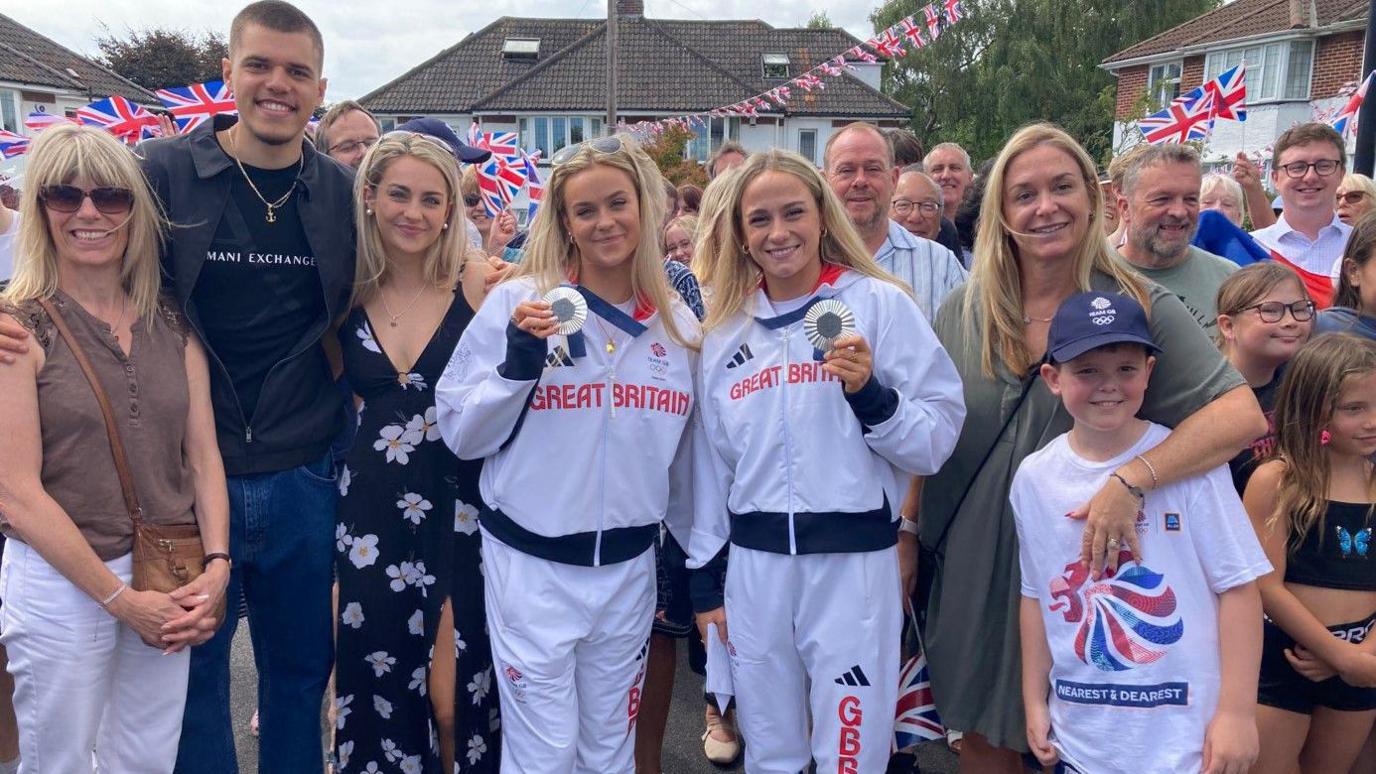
[1158, 201]
[917, 203]
[1307, 168]
[858, 165]
[346, 132]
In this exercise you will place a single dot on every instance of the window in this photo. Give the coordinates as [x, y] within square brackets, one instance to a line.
[521, 48]
[1163, 82]
[776, 66]
[1275, 71]
[9, 110]
[807, 144]
[710, 137]
[388, 124]
[550, 133]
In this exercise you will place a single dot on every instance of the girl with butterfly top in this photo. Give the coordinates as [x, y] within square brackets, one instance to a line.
[574, 384]
[822, 390]
[1312, 506]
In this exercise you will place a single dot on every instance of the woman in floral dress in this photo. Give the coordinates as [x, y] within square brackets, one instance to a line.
[413, 669]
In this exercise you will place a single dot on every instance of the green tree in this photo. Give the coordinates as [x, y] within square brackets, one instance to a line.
[667, 152]
[1010, 62]
[159, 57]
[819, 20]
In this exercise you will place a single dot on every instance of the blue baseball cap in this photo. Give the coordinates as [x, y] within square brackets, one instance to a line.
[1091, 320]
[433, 127]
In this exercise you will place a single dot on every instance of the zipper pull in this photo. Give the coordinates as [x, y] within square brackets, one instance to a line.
[248, 434]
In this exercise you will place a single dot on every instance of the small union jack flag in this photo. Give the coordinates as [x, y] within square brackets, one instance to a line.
[887, 45]
[1185, 119]
[120, 117]
[499, 181]
[860, 53]
[535, 187]
[912, 32]
[808, 82]
[915, 719]
[12, 145]
[933, 21]
[197, 103]
[39, 120]
[955, 11]
[1229, 94]
[1347, 117]
[830, 69]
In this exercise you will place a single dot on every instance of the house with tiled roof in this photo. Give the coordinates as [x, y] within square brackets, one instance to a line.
[1303, 57]
[38, 74]
[546, 79]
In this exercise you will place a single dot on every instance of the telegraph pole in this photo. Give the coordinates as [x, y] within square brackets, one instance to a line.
[1366, 115]
[612, 46]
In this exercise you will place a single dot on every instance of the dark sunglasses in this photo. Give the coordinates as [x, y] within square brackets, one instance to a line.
[68, 198]
[1351, 197]
[472, 200]
[610, 144]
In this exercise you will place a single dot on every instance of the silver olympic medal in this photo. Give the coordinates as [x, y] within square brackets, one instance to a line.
[827, 321]
[569, 307]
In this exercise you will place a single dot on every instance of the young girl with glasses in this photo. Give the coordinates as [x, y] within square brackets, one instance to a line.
[1354, 302]
[1264, 318]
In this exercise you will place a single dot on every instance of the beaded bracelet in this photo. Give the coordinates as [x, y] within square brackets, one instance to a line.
[115, 595]
[1155, 482]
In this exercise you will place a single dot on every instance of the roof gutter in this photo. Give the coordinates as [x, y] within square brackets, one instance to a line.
[1204, 48]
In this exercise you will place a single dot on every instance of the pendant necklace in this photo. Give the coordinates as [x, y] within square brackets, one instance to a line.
[392, 318]
[611, 343]
[271, 216]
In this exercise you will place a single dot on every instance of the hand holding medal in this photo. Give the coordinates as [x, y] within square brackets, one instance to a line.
[557, 312]
[830, 326]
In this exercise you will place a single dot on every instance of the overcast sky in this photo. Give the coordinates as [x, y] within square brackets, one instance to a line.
[370, 43]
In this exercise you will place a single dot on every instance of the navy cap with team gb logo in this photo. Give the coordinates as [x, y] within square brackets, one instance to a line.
[1086, 321]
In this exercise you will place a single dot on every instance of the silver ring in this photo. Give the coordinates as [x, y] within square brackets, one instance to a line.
[1113, 542]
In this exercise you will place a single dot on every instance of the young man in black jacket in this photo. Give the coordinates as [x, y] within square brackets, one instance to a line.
[261, 257]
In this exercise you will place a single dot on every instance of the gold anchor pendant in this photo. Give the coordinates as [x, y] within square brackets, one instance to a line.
[271, 218]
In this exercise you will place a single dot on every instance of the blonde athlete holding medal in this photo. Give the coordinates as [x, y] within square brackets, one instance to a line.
[574, 383]
[822, 390]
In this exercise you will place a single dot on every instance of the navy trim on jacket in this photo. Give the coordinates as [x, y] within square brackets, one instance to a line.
[581, 548]
[815, 533]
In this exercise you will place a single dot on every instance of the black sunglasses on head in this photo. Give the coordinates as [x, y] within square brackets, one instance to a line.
[110, 200]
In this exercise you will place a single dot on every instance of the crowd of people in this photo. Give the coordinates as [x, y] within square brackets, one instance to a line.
[1123, 482]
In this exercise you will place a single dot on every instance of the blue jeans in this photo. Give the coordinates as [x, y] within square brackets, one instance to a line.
[281, 531]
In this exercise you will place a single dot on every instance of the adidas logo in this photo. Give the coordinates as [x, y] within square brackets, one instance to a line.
[558, 357]
[853, 677]
[743, 354]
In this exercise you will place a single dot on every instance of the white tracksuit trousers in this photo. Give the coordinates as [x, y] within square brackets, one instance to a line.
[831, 620]
[84, 683]
[568, 646]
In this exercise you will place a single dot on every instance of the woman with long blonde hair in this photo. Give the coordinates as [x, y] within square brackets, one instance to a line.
[1041, 242]
[412, 646]
[582, 422]
[823, 388]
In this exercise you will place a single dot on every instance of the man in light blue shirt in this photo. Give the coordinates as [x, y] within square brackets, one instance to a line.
[858, 164]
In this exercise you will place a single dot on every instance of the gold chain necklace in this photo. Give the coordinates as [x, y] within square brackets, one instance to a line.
[271, 218]
[611, 342]
[382, 296]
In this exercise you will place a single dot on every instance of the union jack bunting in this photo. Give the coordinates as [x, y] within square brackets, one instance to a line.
[912, 32]
[808, 82]
[915, 719]
[829, 69]
[39, 120]
[1229, 93]
[120, 117]
[887, 45]
[197, 103]
[1347, 117]
[12, 145]
[1185, 119]
[859, 52]
[933, 22]
[955, 11]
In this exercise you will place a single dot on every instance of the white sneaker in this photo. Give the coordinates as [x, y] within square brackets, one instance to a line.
[718, 751]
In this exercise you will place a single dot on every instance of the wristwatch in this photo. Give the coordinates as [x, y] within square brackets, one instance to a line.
[907, 525]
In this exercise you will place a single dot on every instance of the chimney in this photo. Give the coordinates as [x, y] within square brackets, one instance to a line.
[1297, 14]
[630, 7]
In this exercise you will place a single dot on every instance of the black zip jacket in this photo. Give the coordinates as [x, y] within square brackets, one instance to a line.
[299, 410]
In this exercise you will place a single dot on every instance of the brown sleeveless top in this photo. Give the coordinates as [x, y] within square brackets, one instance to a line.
[148, 392]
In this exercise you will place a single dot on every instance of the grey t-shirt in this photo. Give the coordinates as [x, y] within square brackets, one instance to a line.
[1195, 281]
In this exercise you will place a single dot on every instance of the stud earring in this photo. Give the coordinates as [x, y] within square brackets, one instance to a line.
[367, 211]
[445, 226]
[1325, 438]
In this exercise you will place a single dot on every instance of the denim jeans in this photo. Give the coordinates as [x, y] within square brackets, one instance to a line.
[281, 532]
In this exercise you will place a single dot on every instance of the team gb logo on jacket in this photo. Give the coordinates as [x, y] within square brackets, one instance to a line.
[658, 361]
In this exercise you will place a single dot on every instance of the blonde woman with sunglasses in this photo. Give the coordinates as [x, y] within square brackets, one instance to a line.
[584, 437]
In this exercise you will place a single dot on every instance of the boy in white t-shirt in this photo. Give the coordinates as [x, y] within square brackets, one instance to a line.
[1154, 667]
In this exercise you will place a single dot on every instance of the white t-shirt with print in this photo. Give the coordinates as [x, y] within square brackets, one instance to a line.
[1135, 657]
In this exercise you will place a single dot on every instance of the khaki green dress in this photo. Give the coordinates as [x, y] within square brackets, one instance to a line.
[972, 618]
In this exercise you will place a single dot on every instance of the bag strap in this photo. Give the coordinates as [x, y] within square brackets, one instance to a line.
[126, 477]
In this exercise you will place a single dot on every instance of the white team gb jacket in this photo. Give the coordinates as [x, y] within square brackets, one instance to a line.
[804, 467]
[580, 444]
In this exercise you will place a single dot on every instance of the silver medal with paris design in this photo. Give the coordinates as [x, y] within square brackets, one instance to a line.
[826, 321]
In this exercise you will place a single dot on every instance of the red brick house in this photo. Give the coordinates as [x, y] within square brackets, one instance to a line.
[1299, 55]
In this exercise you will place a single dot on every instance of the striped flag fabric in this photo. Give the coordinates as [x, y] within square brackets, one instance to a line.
[120, 117]
[196, 103]
[39, 120]
[12, 145]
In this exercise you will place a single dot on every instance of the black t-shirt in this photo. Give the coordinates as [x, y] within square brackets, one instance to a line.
[259, 277]
[1247, 460]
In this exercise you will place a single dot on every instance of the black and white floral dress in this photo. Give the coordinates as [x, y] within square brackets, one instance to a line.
[407, 539]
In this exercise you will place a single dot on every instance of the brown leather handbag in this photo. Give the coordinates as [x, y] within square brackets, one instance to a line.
[165, 558]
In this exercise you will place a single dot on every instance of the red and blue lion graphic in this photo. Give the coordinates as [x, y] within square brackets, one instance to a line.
[1126, 618]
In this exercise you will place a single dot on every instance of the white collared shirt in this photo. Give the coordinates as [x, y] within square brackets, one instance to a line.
[1322, 256]
[930, 269]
